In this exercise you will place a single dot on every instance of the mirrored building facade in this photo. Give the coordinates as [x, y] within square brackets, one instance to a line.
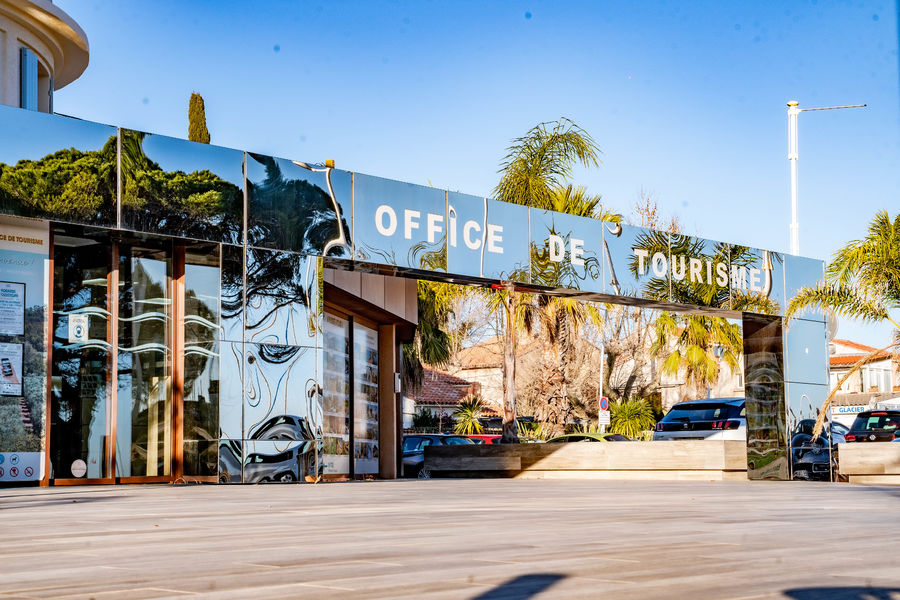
[177, 311]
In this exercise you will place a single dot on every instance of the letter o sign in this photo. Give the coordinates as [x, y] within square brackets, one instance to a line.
[386, 229]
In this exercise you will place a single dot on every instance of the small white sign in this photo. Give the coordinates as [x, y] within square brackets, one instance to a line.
[78, 328]
[603, 417]
[847, 410]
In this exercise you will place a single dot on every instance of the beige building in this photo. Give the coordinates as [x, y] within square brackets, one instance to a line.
[41, 50]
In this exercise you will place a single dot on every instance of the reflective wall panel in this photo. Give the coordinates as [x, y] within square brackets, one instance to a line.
[488, 239]
[806, 352]
[810, 459]
[181, 188]
[231, 458]
[282, 298]
[757, 280]
[281, 397]
[398, 223]
[699, 271]
[566, 251]
[767, 443]
[231, 392]
[303, 209]
[232, 293]
[637, 262]
[54, 167]
[800, 272]
[280, 462]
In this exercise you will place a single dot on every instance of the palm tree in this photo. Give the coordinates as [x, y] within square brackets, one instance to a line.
[631, 418]
[534, 173]
[467, 416]
[862, 282]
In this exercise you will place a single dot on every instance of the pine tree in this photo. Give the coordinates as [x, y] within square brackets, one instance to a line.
[197, 131]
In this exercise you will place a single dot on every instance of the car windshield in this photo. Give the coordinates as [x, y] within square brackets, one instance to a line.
[705, 411]
[457, 441]
[415, 444]
[877, 421]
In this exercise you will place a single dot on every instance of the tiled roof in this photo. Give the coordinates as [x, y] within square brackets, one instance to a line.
[440, 388]
[852, 359]
[854, 345]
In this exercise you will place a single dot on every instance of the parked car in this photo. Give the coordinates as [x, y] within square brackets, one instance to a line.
[709, 419]
[874, 426]
[810, 459]
[484, 438]
[414, 449]
[896, 437]
[588, 437]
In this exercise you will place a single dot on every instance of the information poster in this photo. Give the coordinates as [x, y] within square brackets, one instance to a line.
[10, 369]
[24, 273]
[12, 308]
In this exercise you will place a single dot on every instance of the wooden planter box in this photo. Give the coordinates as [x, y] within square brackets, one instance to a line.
[870, 462]
[683, 460]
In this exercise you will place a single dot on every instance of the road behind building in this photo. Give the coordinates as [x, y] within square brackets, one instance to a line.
[475, 539]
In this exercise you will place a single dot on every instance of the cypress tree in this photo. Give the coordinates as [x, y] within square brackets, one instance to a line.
[197, 131]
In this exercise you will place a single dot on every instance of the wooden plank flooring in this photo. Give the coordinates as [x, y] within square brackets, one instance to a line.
[441, 539]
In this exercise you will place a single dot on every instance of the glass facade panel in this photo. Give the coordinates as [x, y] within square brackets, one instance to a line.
[59, 168]
[181, 188]
[699, 271]
[488, 239]
[280, 395]
[757, 280]
[202, 282]
[232, 293]
[144, 434]
[80, 392]
[767, 444]
[809, 459]
[282, 298]
[365, 400]
[231, 459]
[282, 462]
[800, 272]
[231, 391]
[398, 223]
[566, 251]
[637, 262]
[336, 396]
[299, 209]
[806, 352]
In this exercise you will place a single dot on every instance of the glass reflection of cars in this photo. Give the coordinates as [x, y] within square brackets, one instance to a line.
[283, 427]
[283, 466]
[708, 419]
[414, 450]
[810, 457]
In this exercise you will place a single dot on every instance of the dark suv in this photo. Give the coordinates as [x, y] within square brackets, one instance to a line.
[874, 426]
[709, 419]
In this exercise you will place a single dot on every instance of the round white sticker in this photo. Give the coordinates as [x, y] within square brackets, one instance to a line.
[79, 468]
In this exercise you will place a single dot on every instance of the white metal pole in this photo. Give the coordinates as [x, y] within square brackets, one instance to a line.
[793, 112]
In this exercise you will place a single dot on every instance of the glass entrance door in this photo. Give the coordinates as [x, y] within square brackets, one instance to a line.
[144, 423]
[80, 392]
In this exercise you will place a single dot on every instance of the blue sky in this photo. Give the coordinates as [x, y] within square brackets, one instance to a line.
[686, 100]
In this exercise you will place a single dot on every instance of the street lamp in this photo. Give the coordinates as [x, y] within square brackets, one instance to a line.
[793, 112]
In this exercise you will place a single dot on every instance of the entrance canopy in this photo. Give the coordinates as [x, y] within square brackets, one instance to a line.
[65, 170]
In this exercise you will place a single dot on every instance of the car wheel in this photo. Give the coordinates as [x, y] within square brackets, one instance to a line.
[286, 477]
[423, 474]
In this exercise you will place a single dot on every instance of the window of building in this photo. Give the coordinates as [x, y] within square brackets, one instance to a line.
[28, 79]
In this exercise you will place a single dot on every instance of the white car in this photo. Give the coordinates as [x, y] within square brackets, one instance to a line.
[709, 419]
